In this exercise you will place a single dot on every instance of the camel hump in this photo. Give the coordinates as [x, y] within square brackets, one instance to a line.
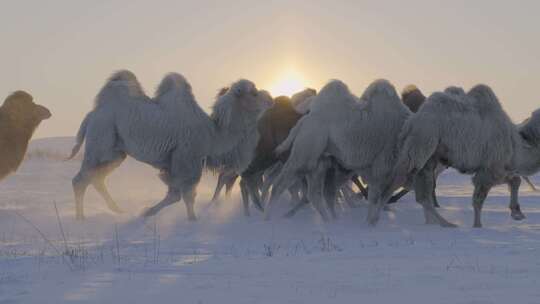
[120, 85]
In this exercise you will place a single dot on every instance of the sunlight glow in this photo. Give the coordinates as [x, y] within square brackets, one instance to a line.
[287, 84]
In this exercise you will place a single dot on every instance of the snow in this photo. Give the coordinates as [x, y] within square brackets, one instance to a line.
[227, 258]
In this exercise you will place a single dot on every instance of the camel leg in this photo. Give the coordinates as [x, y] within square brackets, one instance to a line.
[80, 183]
[220, 183]
[363, 190]
[98, 181]
[245, 196]
[316, 184]
[173, 196]
[348, 195]
[189, 200]
[270, 176]
[283, 182]
[230, 183]
[102, 155]
[424, 195]
[330, 189]
[182, 177]
[226, 179]
[335, 180]
[93, 172]
[296, 191]
[99, 185]
[482, 182]
[479, 196]
[374, 209]
[396, 197]
[515, 209]
[251, 184]
[191, 175]
[301, 204]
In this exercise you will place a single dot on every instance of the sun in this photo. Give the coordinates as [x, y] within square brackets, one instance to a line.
[287, 84]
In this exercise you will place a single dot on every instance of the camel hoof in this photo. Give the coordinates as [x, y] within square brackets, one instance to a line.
[149, 212]
[517, 215]
[448, 225]
[289, 214]
[373, 215]
[372, 221]
[259, 207]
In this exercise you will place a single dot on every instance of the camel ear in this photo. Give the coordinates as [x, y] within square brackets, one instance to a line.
[43, 112]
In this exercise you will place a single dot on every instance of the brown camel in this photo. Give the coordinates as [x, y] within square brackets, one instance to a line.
[19, 118]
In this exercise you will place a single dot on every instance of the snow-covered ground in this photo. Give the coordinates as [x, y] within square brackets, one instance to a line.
[227, 258]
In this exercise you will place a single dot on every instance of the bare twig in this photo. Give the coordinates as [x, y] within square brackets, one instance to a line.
[45, 238]
[117, 243]
[61, 228]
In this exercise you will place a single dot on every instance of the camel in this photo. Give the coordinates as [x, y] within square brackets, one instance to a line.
[472, 133]
[231, 164]
[169, 132]
[19, 118]
[361, 135]
[273, 127]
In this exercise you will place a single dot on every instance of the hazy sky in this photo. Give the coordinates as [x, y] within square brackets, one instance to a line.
[62, 51]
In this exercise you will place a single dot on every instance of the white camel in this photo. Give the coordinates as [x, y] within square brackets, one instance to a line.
[170, 132]
[473, 134]
[361, 135]
[232, 163]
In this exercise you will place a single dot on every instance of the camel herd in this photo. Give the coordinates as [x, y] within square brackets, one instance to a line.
[315, 145]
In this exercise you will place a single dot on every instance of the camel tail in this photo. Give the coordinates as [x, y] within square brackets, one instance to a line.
[79, 140]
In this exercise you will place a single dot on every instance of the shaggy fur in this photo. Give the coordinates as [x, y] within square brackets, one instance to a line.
[473, 134]
[301, 101]
[170, 132]
[360, 135]
[231, 164]
[19, 118]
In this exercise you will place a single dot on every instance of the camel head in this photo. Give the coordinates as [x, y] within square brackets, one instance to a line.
[528, 161]
[239, 105]
[408, 90]
[302, 96]
[302, 100]
[412, 97]
[20, 107]
[247, 96]
[266, 99]
[530, 129]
